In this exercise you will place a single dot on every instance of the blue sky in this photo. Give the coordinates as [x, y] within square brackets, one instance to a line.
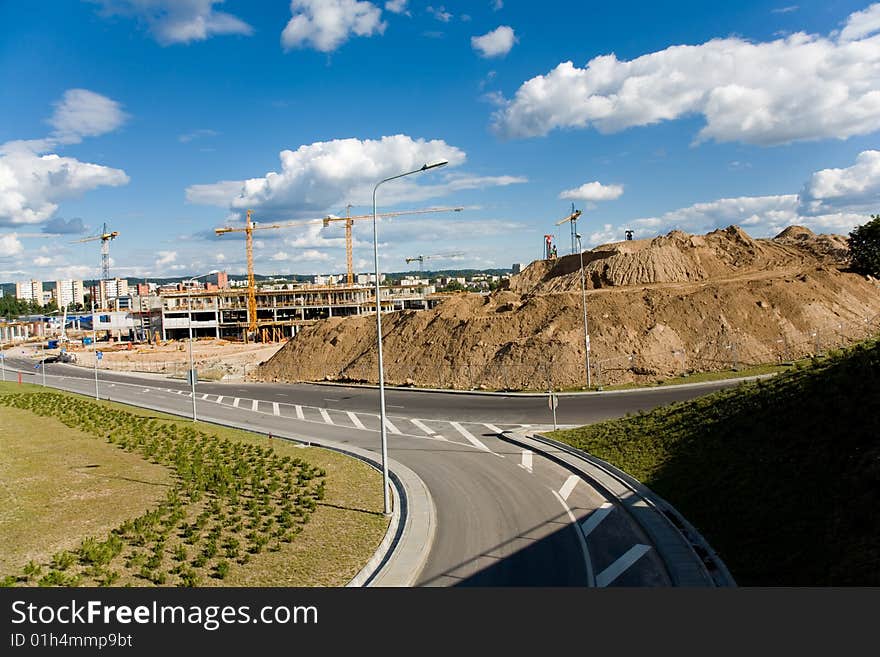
[151, 115]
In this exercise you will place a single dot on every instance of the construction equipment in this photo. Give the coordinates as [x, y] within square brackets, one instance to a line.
[105, 238]
[628, 234]
[349, 220]
[572, 220]
[251, 226]
[422, 258]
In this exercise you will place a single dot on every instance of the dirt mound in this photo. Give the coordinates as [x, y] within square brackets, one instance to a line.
[655, 308]
[834, 248]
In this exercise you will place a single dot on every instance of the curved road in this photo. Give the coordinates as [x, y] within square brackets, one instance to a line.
[505, 516]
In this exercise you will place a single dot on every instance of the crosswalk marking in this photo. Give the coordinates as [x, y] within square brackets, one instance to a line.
[527, 460]
[392, 428]
[235, 402]
[616, 569]
[424, 427]
[473, 440]
[219, 399]
[325, 415]
[355, 420]
[255, 406]
[596, 517]
[275, 409]
[299, 413]
[205, 396]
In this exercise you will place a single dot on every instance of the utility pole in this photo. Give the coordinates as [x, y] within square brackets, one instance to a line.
[584, 305]
[95, 345]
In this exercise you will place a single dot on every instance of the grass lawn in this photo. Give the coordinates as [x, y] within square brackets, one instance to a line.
[782, 476]
[98, 493]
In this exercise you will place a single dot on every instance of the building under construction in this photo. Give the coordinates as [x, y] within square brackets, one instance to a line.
[281, 313]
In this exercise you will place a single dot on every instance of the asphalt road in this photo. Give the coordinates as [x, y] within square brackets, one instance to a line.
[504, 516]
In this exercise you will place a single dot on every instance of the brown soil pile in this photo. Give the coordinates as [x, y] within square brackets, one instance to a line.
[655, 308]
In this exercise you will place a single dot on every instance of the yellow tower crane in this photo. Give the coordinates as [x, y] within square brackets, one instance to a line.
[251, 226]
[572, 219]
[106, 237]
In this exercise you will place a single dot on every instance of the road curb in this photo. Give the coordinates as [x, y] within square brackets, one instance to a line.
[689, 559]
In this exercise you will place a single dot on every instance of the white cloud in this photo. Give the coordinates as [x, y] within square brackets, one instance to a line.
[861, 23]
[32, 185]
[42, 261]
[326, 24]
[785, 10]
[440, 14]
[196, 134]
[83, 113]
[309, 255]
[593, 191]
[166, 258]
[496, 43]
[10, 246]
[800, 87]
[397, 6]
[497, 4]
[855, 187]
[323, 176]
[178, 21]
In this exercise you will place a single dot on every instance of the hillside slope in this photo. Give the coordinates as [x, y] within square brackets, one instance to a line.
[655, 308]
[782, 476]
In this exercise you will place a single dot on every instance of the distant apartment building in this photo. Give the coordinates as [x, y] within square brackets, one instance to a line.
[29, 291]
[516, 268]
[142, 289]
[366, 279]
[67, 292]
[220, 279]
[108, 290]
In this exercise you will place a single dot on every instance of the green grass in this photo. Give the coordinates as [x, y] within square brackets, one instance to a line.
[782, 476]
[232, 508]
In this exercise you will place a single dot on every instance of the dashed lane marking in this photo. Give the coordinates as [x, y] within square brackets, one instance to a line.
[355, 420]
[424, 427]
[527, 461]
[568, 486]
[276, 410]
[325, 415]
[620, 566]
[596, 517]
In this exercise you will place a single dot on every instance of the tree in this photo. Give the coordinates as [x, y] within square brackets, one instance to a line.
[864, 247]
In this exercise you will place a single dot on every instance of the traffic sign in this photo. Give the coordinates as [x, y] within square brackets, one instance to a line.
[553, 402]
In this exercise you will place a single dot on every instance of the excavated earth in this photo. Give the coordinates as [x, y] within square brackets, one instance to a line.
[656, 308]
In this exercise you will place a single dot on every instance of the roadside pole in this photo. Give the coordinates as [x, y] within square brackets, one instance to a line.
[553, 402]
[3, 365]
[95, 346]
[43, 364]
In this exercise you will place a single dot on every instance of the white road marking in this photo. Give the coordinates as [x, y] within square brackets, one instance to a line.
[275, 409]
[180, 392]
[299, 413]
[392, 428]
[255, 406]
[527, 461]
[325, 415]
[235, 402]
[424, 427]
[219, 399]
[205, 396]
[596, 517]
[493, 428]
[588, 562]
[616, 569]
[328, 399]
[148, 390]
[473, 440]
[568, 486]
[393, 406]
[355, 420]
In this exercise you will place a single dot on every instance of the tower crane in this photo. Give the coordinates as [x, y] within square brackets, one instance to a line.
[349, 221]
[572, 219]
[250, 226]
[421, 258]
[106, 237]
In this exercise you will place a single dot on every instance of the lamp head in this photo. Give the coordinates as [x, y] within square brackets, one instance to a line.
[435, 165]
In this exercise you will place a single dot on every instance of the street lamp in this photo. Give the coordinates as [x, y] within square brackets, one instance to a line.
[192, 367]
[584, 303]
[382, 430]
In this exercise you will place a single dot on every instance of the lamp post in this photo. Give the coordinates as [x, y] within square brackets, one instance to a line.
[584, 303]
[192, 367]
[95, 342]
[385, 499]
